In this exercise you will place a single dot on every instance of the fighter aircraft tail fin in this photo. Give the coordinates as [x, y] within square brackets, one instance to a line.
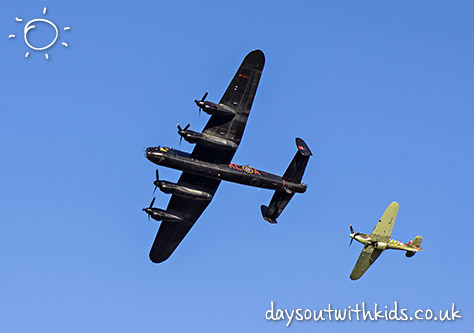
[416, 242]
[295, 170]
[294, 173]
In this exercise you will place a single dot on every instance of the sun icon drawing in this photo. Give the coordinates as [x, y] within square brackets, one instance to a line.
[30, 26]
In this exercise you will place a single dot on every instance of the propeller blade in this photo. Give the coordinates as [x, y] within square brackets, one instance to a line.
[204, 97]
[152, 202]
[157, 179]
[352, 230]
[351, 242]
[187, 126]
[180, 132]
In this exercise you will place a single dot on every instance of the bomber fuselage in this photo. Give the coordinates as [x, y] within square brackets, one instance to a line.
[231, 172]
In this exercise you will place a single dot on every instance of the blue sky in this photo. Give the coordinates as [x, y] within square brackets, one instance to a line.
[380, 90]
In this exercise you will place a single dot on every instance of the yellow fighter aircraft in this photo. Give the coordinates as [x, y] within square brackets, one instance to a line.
[379, 240]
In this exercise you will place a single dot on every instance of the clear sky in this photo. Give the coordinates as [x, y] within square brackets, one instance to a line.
[381, 91]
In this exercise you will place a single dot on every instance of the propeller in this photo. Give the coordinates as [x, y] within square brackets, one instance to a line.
[156, 181]
[182, 132]
[148, 209]
[352, 231]
[200, 103]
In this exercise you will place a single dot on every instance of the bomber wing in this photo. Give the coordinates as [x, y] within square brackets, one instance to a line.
[171, 234]
[367, 257]
[238, 97]
[383, 229]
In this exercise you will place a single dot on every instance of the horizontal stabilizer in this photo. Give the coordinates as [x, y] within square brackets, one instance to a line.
[294, 172]
[279, 201]
[409, 254]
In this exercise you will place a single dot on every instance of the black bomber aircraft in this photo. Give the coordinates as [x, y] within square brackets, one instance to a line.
[210, 163]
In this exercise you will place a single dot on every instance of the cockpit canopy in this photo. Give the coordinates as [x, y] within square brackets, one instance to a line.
[167, 150]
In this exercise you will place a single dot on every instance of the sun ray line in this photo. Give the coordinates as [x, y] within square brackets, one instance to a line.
[44, 11]
[11, 36]
[18, 19]
[64, 44]
[67, 28]
[27, 54]
[46, 56]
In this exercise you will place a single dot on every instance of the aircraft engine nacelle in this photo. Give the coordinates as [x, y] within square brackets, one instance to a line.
[381, 245]
[162, 215]
[190, 136]
[213, 141]
[182, 191]
[216, 109]
[208, 140]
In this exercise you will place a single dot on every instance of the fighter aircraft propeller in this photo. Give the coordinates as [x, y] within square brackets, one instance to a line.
[352, 232]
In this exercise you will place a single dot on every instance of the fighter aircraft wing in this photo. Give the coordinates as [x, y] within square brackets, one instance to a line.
[171, 234]
[383, 229]
[367, 257]
[239, 97]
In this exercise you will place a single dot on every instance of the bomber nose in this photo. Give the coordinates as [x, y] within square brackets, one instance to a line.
[149, 152]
